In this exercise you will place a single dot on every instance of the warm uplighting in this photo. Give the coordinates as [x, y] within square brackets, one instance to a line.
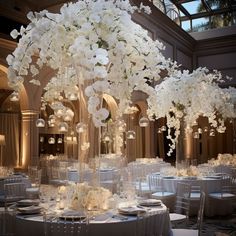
[143, 122]
[2, 143]
[40, 123]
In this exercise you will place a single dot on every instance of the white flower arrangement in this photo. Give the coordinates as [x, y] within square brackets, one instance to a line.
[90, 198]
[190, 95]
[89, 41]
[224, 159]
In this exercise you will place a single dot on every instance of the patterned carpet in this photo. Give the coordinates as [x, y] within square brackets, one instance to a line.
[217, 226]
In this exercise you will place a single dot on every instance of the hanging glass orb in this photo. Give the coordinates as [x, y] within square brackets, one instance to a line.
[212, 132]
[51, 140]
[163, 128]
[106, 138]
[80, 127]
[52, 119]
[14, 97]
[130, 134]
[40, 123]
[121, 126]
[196, 135]
[41, 140]
[72, 96]
[221, 130]
[59, 140]
[59, 112]
[63, 127]
[199, 130]
[68, 115]
[50, 124]
[144, 122]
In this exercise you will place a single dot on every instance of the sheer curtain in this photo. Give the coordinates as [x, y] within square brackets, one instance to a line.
[10, 127]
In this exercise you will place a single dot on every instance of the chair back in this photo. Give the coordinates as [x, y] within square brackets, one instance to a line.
[182, 204]
[35, 176]
[155, 183]
[201, 213]
[14, 192]
[69, 227]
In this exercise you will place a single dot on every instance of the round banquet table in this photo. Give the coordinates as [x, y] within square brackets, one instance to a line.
[208, 185]
[105, 224]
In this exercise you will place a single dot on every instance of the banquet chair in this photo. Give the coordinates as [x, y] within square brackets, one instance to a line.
[142, 187]
[35, 176]
[182, 204]
[227, 189]
[7, 221]
[158, 191]
[193, 232]
[195, 192]
[55, 175]
[54, 226]
[13, 192]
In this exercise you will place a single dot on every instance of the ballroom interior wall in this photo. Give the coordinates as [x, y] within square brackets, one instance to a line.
[215, 52]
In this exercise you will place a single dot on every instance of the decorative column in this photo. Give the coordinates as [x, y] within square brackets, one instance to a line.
[29, 138]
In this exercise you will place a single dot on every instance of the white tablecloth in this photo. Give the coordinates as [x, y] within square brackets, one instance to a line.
[34, 225]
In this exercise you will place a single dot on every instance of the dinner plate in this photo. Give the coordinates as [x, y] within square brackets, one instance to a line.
[106, 169]
[131, 211]
[150, 202]
[27, 202]
[30, 210]
[168, 177]
[72, 215]
[190, 177]
[213, 177]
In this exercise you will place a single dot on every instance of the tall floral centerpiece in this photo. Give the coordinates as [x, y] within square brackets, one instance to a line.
[185, 97]
[94, 47]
